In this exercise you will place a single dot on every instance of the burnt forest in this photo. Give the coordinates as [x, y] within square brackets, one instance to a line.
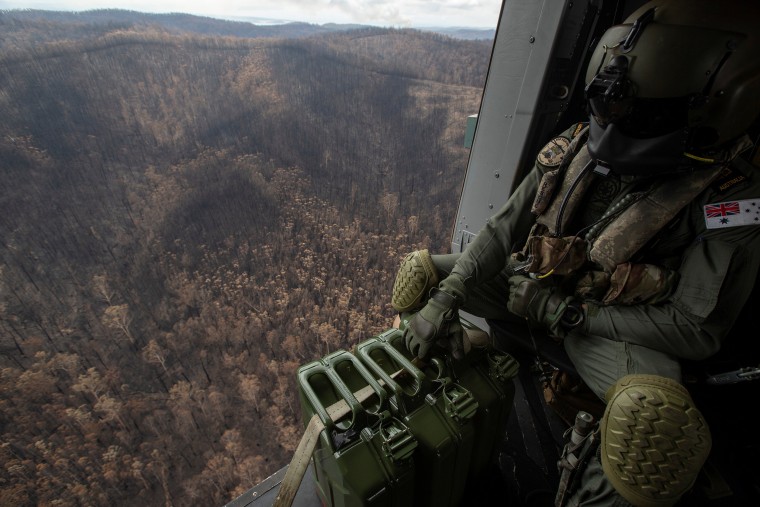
[191, 209]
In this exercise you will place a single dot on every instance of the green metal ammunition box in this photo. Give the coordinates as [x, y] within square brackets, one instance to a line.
[487, 374]
[437, 411]
[363, 456]
[401, 433]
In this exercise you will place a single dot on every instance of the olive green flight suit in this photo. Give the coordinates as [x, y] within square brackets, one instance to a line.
[715, 270]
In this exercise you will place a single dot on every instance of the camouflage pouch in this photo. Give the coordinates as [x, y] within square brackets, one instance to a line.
[561, 256]
[632, 284]
[545, 192]
[593, 285]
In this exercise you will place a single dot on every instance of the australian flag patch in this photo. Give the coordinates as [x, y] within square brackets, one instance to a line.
[732, 213]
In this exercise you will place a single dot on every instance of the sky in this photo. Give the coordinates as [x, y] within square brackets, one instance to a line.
[388, 13]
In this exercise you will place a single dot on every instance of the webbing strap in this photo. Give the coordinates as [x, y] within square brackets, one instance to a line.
[300, 461]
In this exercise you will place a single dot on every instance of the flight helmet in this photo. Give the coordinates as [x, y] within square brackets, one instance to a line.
[674, 84]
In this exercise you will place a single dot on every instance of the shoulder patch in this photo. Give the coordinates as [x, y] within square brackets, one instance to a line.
[728, 178]
[732, 213]
[552, 154]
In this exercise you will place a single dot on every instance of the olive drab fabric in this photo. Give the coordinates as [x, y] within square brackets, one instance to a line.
[650, 217]
[629, 223]
[650, 302]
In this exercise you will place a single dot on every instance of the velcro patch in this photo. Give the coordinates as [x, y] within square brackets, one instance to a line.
[729, 178]
[732, 213]
[552, 154]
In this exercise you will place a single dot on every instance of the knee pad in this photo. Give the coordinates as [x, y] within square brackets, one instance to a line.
[654, 441]
[415, 277]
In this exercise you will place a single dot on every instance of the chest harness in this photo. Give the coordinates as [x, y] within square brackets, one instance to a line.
[597, 259]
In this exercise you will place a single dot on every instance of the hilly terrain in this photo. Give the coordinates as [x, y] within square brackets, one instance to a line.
[38, 25]
[185, 219]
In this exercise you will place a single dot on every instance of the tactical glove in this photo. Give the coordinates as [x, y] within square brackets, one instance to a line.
[543, 305]
[438, 321]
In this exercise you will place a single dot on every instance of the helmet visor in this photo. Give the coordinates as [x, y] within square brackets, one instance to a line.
[640, 118]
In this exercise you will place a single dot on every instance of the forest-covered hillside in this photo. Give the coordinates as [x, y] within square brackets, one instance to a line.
[184, 220]
[31, 25]
[22, 26]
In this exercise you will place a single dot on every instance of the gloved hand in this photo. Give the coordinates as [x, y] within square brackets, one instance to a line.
[438, 321]
[543, 305]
